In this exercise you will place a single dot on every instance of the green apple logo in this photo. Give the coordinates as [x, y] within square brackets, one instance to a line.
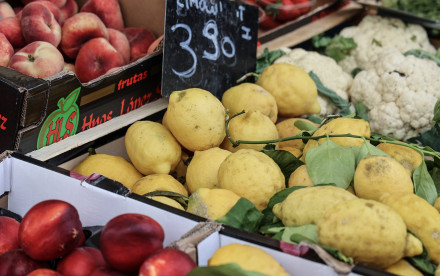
[61, 123]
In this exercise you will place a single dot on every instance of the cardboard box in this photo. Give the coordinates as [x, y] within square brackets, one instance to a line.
[34, 113]
[99, 202]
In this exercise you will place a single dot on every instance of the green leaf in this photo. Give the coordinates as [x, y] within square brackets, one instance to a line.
[429, 138]
[222, 270]
[285, 160]
[315, 118]
[337, 254]
[267, 58]
[376, 42]
[181, 199]
[296, 234]
[269, 218]
[272, 229]
[243, 215]
[355, 71]
[331, 163]
[435, 174]
[423, 184]
[303, 125]
[368, 149]
[334, 98]
[339, 47]
[423, 262]
[361, 111]
[437, 113]
[423, 54]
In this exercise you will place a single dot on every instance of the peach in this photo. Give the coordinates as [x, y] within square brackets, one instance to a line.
[38, 59]
[69, 67]
[95, 58]
[155, 45]
[58, 3]
[79, 29]
[6, 10]
[120, 42]
[39, 24]
[108, 10]
[6, 50]
[53, 9]
[68, 10]
[11, 28]
[140, 40]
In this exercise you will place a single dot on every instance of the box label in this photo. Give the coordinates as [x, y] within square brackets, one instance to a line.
[208, 44]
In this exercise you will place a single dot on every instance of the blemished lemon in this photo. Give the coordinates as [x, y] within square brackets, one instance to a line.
[196, 118]
[211, 203]
[250, 126]
[114, 167]
[152, 148]
[408, 157]
[293, 89]
[251, 174]
[203, 169]
[158, 182]
[250, 96]
[377, 174]
[248, 257]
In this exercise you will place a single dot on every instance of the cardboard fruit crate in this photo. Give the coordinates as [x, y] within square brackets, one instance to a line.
[38, 112]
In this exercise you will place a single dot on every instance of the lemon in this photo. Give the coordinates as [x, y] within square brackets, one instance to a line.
[114, 167]
[308, 205]
[158, 182]
[168, 201]
[203, 169]
[251, 174]
[293, 89]
[248, 257]
[437, 204]
[403, 268]
[250, 126]
[152, 148]
[408, 157]
[180, 171]
[413, 246]
[341, 126]
[250, 96]
[366, 230]
[196, 118]
[287, 128]
[211, 203]
[300, 177]
[378, 174]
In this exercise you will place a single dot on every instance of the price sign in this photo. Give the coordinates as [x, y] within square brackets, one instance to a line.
[208, 44]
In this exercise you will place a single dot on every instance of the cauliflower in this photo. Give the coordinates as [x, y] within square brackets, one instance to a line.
[375, 34]
[399, 92]
[328, 71]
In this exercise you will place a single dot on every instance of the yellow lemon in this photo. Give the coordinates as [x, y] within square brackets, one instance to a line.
[378, 174]
[196, 118]
[211, 203]
[293, 89]
[251, 174]
[248, 257]
[110, 166]
[300, 177]
[152, 148]
[250, 126]
[168, 201]
[158, 182]
[250, 96]
[403, 268]
[408, 157]
[203, 169]
[287, 128]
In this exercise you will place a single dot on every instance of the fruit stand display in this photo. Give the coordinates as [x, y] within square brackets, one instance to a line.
[327, 157]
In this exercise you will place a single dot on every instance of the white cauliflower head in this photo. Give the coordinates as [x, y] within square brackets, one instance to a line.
[329, 72]
[375, 34]
[399, 92]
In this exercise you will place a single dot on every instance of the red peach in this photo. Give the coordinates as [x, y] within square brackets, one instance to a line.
[108, 10]
[53, 9]
[58, 3]
[44, 272]
[81, 262]
[68, 10]
[95, 58]
[79, 29]
[11, 28]
[69, 67]
[39, 59]
[6, 10]
[39, 24]
[140, 39]
[8, 231]
[6, 52]
[120, 42]
[155, 44]
[167, 262]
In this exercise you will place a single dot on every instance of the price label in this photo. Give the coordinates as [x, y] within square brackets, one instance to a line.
[208, 44]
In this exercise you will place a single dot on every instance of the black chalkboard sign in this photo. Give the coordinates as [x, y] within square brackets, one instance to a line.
[208, 44]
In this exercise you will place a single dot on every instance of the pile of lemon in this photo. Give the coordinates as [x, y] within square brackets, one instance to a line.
[192, 144]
